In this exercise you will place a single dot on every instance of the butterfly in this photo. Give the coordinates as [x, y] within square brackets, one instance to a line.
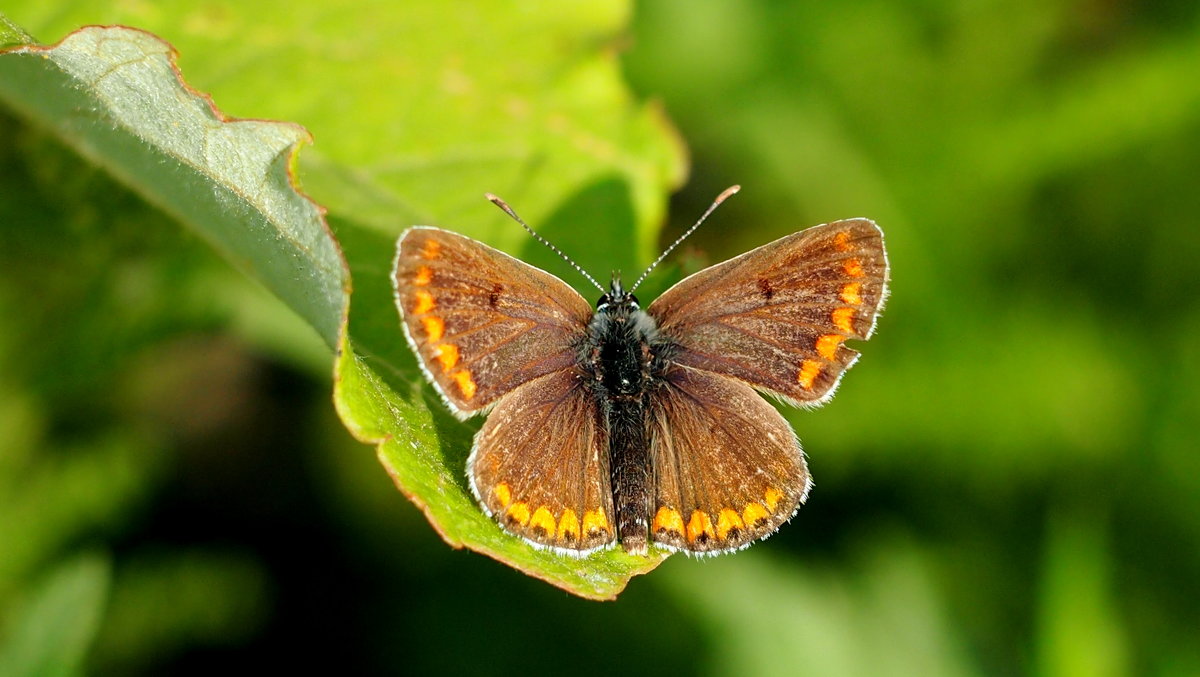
[617, 424]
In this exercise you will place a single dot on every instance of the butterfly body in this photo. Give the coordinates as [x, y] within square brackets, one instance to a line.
[625, 358]
[639, 426]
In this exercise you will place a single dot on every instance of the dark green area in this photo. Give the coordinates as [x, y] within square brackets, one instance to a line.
[1007, 483]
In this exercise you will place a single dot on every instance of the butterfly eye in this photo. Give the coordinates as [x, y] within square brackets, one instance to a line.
[633, 300]
[604, 301]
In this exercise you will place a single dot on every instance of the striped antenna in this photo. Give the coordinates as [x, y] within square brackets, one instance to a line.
[716, 203]
[509, 210]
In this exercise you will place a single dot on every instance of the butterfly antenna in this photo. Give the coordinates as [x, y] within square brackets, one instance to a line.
[509, 210]
[716, 203]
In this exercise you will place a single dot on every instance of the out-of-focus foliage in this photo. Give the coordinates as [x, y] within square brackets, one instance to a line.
[1022, 416]
[1007, 483]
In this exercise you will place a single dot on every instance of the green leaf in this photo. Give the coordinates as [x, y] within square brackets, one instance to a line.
[114, 95]
[12, 34]
[419, 109]
[544, 119]
[53, 630]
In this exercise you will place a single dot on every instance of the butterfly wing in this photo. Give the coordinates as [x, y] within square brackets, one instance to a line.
[481, 322]
[540, 465]
[728, 468]
[776, 317]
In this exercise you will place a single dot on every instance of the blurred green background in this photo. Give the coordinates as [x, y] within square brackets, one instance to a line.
[1007, 483]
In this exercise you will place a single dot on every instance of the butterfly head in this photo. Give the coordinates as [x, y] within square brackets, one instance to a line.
[616, 299]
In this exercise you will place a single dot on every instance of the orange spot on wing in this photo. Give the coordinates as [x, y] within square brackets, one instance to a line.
[772, 497]
[809, 369]
[853, 268]
[850, 293]
[594, 522]
[465, 385]
[667, 519]
[447, 355]
[431, 250]
[699, 525]
[842, 319]
[423, 277]
[754, 513]
[568, 526]
[827, 345]
[542, 519]
[518, 512]
[842, 241]
[503, 494]
[727, 521]
[424, 303]
[434, 327]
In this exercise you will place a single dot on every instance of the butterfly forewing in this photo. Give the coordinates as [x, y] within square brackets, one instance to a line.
[540, 465]
[728, 468]
[777, 317]
[481, 322]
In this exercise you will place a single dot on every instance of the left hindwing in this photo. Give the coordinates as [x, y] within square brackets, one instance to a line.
[776, 317]
[540, 465]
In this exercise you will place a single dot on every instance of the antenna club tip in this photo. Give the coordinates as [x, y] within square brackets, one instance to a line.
[727, 192]
[503, 205]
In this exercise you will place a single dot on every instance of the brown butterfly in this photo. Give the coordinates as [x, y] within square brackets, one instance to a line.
[631, 425]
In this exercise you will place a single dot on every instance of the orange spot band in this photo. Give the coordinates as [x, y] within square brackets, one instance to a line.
[542, 519]
[772, 497]
[434, 328]
[423, 277]
[431, 250]
[699, 525]
[568, 526]
[668, 520]
[850, 293]
[465, 384]
[827, 345]
[519, 513]
[424, 303]
[594, 521]
[753, 514]
[447, 355]
[503, 494]
[727, 521]
[842, 319]
[842, 241]
[853, 268]
[809, 370]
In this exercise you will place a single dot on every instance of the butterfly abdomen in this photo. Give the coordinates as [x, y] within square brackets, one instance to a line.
[620, 359]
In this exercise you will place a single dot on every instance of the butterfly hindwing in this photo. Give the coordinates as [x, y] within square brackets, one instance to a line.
[777, 316]
[540, 465]
[481, 322]
[728, 469]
